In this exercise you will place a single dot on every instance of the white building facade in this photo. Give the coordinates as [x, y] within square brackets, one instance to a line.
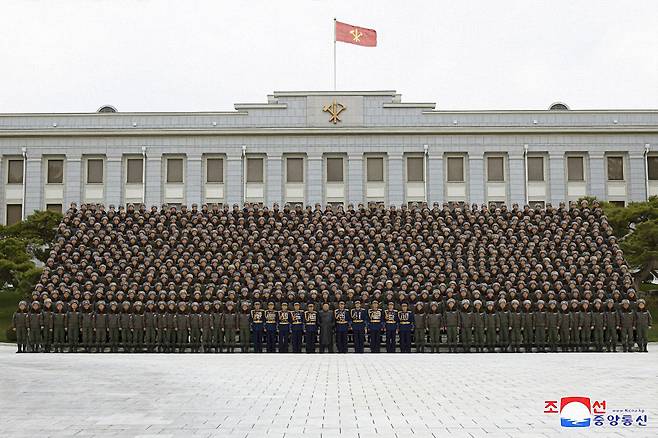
[326, 147]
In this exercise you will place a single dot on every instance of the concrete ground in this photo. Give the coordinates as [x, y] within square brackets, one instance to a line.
[317, 396]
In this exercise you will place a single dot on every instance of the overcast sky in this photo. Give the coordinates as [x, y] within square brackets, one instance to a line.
[186, 55]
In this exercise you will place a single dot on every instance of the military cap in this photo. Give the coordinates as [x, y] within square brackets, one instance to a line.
[475, 303]
[641, 301]
[625, 301]
[515, 302]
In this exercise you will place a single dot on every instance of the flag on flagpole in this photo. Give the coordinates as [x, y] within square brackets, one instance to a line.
[361, 36]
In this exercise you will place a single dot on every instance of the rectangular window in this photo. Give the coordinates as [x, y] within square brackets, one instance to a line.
[334, 170]
[294, 170]
[214, 170]
[94, 171]
[575, 170]
[135, 171]
[55, 171]
[415, 169]
[174, 170]
[375, 169]
[255, 170]
[535, 168]
[495, 169]
[14, 213]
[55, 208]
[652, 164]
[455, 169]
[15, 172]
[615, 168]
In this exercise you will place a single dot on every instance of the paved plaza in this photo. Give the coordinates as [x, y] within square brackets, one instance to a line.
[317, 396]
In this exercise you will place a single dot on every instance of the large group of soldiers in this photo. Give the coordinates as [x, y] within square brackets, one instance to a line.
[442, 278]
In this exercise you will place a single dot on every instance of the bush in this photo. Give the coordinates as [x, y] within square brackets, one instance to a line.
[10, 335]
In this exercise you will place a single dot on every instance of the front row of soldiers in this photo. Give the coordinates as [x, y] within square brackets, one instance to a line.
[217, 327]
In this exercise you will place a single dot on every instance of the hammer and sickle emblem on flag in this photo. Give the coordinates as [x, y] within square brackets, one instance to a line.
[334, 109]
[356, 35]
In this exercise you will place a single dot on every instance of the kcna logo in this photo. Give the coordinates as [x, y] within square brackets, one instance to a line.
[582, 412]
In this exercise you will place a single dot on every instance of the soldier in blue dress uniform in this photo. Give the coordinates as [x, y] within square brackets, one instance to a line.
[270, 327]
[406, 326]
[283, 320]
[391, 325]
[296, 328]
[359, 318]
[342, 316]
[375, 326]
[310, 327]
[256, 321]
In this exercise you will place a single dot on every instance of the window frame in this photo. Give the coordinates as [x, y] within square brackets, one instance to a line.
[7, 207]
[263, 164]
[423, 168]
[543, 168]
[583, 167]
[652, 158]
[53, 159]
[206, 167]
[607, 168]
[383, 160]
[326, 168]
[87, 160]
[174, 158]
[463, 158]
[127, 169]
[22, 181]
[303, 174]
[504, 171]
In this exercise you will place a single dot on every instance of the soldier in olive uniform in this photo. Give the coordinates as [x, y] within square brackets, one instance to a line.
[182, 327]
[100, 327]
[87, 326]
[598, 322]
[643, 323]
[504, 323]
[125, 326]
[35, 325]
[47, 319]
[244, 320]
[420, 327]
[19, 323]
[434, 322]
[585, 325]
[113, 326]
[73, 326]
[553, 323]
[492, 326]
[171, 332]
[612, 324]
[574, 324]
[230, 325]
[161, 327]
[528, 326]
[59, 327]
[627, 323]
[516, 323]
[466, 320]
[194, 319]
[479, 326]
[217, 320]
[541, 321]
[565, 326]
[150, 326]
[452, 324]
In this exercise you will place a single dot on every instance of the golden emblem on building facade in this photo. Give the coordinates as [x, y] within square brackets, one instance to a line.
[334, 109]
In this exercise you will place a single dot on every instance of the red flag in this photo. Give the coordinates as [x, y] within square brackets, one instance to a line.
[360, 36]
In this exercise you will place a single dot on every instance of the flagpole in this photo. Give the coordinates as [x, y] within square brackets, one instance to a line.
[334, 53]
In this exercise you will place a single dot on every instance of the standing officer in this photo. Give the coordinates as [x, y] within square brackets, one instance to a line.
[420, 327]
[138, 328]
[327, 324]
[342, 317]
[528, 326]
[73, 326]
[229, 326]
[112, 326]
[87, 325]
[643, 323]
[466, 320]
[195, 327]
[375, 326]
[35, 325]
[585, 326]
[515, 326]
[598, 322]
[612, 324]
[406, 326]
[19, 324]
[627, 319]
[256, 325]
[283, 324]
[244, 324]
[100, 327]
[553, 323]
[434, 321]
[297, 328]
[391, 325]
[452, 317]
[358, 317]
[504, 322]
[149, 325]
[541, 320]
[310, 327]
[182, 327]
[492, 326]
[270, 327]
